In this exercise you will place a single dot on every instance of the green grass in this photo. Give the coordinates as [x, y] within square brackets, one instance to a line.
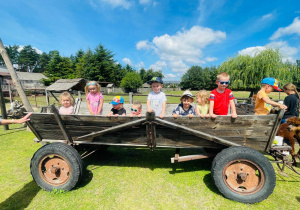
[125, 178]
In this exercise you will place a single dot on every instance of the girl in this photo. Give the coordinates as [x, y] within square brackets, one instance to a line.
[67, 102]
[136, 109]
[291, 101]
[202, 107]
[94, 98]
[117, 109]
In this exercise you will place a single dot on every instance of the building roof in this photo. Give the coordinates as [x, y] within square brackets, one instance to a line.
[110, 85]
[145, 85]
[23, 75]
[67, 84]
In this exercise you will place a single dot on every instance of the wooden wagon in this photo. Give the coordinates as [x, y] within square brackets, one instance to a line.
[239, 171]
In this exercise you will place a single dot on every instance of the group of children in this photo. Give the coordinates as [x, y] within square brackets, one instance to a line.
[217, 103]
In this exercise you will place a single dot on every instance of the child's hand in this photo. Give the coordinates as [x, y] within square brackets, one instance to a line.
[234, 115]
[191, 115]
[175, 115]
[139, 115]
[116, 115]
[161, 116]
[108, 115]
[130, 115]
[149, 110]
[207, 115]
[201, 115]
[282, 106]
[213, 116]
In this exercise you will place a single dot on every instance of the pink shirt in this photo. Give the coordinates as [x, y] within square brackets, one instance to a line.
[94, 102]
[64, 110]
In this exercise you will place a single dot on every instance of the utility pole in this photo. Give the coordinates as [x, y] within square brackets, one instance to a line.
[15, 78]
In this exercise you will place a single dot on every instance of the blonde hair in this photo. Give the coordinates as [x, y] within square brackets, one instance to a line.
[138, 103]
[222, 74]
[203, 94]
[89, 83]
[66, 95]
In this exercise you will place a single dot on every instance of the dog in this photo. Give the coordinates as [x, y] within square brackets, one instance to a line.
[291, 131]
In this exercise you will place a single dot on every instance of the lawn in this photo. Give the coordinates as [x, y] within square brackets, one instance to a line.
[125, 178]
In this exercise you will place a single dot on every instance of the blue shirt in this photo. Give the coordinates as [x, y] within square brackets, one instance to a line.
[180, 111]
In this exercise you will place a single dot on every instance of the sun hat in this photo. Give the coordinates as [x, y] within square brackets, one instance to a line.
[117, 100]
[155, 79]
[187, 93]
[271, 81]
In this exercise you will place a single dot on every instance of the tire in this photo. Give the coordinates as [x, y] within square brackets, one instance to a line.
[243, 174]
[56, 166]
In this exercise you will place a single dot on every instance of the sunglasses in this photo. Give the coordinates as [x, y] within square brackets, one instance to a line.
[224, 83]
[134, 110]
[91, 83]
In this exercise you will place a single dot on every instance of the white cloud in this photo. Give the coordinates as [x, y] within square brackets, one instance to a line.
[158, 66]
[115, 3]
[127, 61]
[211, 59]
[145, 1]
[170, 75]
[140, 65]
[36, 49]
[294, 28]
[267, 16]
[184, 47]
[287, 51]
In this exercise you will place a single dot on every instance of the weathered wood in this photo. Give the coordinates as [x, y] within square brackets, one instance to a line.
[3, 108]
[61, 125]
[15, 78]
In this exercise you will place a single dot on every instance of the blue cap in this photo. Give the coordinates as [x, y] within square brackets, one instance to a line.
[117, 100]
[155, 79]
[271, 81]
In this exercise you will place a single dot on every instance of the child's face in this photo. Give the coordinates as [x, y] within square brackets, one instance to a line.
[199, 100]
[66, 102]
[135, 108]
[289, 92]
[222, 83]
[92, 89]
[269, 89]
[118, 106]
[186, 102]
[156, 86]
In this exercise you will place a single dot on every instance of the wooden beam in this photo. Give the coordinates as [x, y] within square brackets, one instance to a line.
[3, 108]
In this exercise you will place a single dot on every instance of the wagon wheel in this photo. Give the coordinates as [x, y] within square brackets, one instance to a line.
[56, 166]
[243, 174]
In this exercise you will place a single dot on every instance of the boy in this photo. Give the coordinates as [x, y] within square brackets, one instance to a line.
[263, 102]
[117, 109]
[185, 108]
[221, 97]
[156, 100]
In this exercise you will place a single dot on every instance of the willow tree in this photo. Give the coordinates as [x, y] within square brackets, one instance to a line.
[246, 72]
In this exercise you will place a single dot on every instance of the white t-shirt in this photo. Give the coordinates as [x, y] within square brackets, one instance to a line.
[156, 101]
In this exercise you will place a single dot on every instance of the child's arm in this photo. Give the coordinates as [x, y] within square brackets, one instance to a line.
[100, 106]
[163, 110]
[110, 114]
[211, 109]
[197, 110]
[149, 106]
[273, 103]
[233, 109]
[89, 107]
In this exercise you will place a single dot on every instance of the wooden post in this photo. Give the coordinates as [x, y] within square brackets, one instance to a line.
[47, 97]
[3, 108]
[10, 93]
[15, 78]
[130, 97]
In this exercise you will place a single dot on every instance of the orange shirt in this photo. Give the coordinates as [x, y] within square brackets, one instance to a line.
[262, 108]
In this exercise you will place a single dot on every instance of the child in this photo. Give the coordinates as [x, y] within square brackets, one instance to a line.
[291, 101]
[263, 102]
[94, 98]
[185, 108]
[136, 109]
[67, 102]
[202, 107]
[221, 97]
[117, 109]
[156, 100]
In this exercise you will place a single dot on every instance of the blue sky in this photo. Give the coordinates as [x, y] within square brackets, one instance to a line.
[164, 35]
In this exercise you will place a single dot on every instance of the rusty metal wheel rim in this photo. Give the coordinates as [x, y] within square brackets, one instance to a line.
[54, 169]
[243, 177]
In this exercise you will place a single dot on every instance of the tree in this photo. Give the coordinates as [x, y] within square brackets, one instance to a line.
[132, 80]
[13, 54]
[151, 73]
[28, 59]
[43, 61]
[246, 72]
[197, 78]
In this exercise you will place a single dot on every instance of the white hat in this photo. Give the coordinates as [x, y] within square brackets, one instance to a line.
[187, 93]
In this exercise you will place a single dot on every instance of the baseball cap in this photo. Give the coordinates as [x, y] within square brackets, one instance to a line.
[271, 81]
[155, 79]
[187, 93]
[117, 100]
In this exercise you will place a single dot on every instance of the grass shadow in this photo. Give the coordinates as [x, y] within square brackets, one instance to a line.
[298, 198]
[15, 131]
[86, 178]
[22, 198]
[208, 181]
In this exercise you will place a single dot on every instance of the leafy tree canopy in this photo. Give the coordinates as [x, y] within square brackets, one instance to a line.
[131, 80]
